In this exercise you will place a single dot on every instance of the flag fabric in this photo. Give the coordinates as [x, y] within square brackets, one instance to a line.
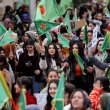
[75, 18]
[7, 91]
[19, 3]
[7, 38]
[80, 61]
[3, 96]
[67, 21]
[27, 2]
[85, 39]
[5, 86]
[106, 43]
[44, 26]
[107, 1]
[58, 100]
[106, 11]
[22, 101]
[47, 10]
[63, 40]
[108, 73]
[2, 29]
[99, 1]
[8, 106]
[64, 5]
[48, 35]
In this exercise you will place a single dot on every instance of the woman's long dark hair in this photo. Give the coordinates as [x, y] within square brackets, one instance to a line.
[98, 44]
[56, 56]
[4, 61]
[49, 98]
[71, 58]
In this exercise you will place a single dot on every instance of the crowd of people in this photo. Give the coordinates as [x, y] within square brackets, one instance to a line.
[35, 64]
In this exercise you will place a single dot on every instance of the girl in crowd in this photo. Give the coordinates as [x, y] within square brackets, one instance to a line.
[28, 62]
[7, 71]
[25, 82]
[69, 88]
[79, 100]
[76, 76]
[52, 88]
[51, 75]
[28, 65]
[99, 55]
[50, 58]
[27, 36]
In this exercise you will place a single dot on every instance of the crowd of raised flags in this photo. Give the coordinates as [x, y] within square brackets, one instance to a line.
[46, 14]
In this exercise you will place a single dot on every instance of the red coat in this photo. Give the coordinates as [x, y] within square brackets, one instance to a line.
[95, 98]
[30, 99]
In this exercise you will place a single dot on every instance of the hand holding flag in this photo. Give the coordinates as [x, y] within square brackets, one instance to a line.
[80, 61]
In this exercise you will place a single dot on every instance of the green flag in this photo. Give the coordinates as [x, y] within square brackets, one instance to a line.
[64, 5]
[27, 2]
[106, 43]
[75, 18]
[85, 39]
[3, 96]
[22, 101]
[7, 91]
[7, 38]
[99, 1]
[107, 1]
[106, 11]
[108, 73]
[48, 35]
[58, 100]
[67, 21]
[63, 40]
[44, 26]
[80, 61]
[2, 29]
[47, 10]
[5, 86]
[19, 3]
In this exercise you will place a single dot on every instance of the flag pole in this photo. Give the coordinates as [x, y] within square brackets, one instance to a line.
[7, 90]
[53, 107]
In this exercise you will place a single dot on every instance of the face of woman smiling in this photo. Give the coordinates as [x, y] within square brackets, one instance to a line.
[51, 50]
[75, 48]
[52, 89]
[99, 46]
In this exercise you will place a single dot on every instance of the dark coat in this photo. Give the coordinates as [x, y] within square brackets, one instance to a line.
[26, 59]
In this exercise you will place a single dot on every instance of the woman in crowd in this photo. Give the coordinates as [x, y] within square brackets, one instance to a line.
[69, 88]
[51, 75]
[100, 88]
[99, 55]
[79, 100]
[76, 75]
[6, 69]
[52, 88]
[29, 60]
[25, 83]
[28, 64]
[50, 58]
[27, 36]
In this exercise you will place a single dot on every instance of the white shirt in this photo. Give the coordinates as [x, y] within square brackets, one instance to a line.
[67, 107]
